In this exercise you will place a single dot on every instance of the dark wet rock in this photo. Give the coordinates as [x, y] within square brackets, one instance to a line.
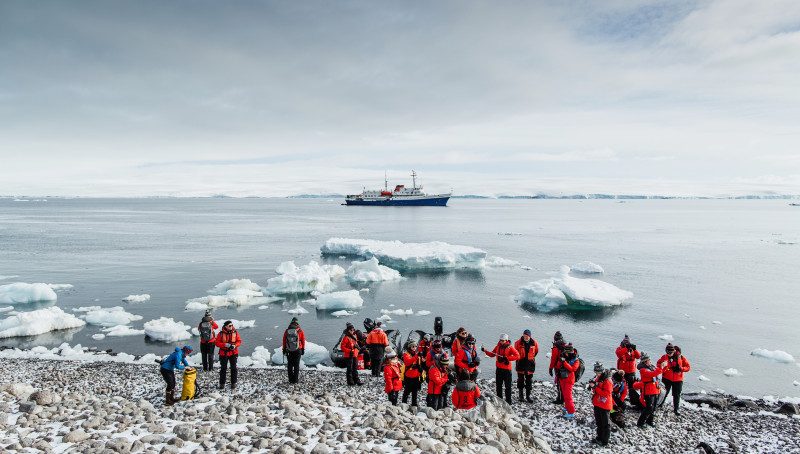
[745, 403]
[717, 402]
[787, 408]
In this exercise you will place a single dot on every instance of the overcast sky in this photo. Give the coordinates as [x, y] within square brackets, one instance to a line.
[276, 98]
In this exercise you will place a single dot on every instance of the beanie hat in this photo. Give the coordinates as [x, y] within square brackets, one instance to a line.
[411, 345]
[504, 337]
[208, 313]
[670, 348]
[644, 358]
[598, 367]
[558, 336]
[470, 339]
[349, 326]
[527, 332]
[294, 320]
[390, 353]
[227, 322]
[378, 323]
[569, 348]
[187, 348]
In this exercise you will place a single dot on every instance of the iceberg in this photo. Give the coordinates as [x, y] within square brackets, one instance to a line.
[423, 313]
[122, 330]
[434, 255]
[233, 292]
[570, 292]
[107, 317]
[22, 292]
[304, 279]
[371, 271]
[166, 330]
[774, 355]
[587, 268]
[38, 322]
[350, 299]
[98, 336]
[137, 298]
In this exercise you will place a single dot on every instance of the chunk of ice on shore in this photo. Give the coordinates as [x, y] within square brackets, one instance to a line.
[408, 256]
[143, 298]
[122, 330]
[587, 268]
[315, 354]
[667, 337]
[111, 316]
[371, 271]
[22, 292]
[260, 356]
[560, 292]
[775, 355]
[732, 372]
[37, 322]
[350, 299]
[304, 279]
[397, 312]
[59, 287]
[166, 329]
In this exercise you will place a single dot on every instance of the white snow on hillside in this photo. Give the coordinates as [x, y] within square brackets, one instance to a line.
[350, 299]
[409, 256]
[166, 329]
[143, 298]
[22, 292]
[587, 268]
[775, 355]
[37, 322]
[111, 316]
[559, 292]
[371, 271]
[304, 279]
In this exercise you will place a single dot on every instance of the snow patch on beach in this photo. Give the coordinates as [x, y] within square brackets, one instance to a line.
[561, 292]
[774, 355]
[166, 329]
[371, 271]
[111, 316]
[304, 279]
[409, 256]
[350, 299]
[22, 292]
[143, 298]
[37, 322]
[587, 267]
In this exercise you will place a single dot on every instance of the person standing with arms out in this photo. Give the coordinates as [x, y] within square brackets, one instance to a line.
[627, 354]
[438, 376]
[602, 401]
[208, 333]
[505, 354]
[412, 380]
[349, 346]
[568, 364]
[391, 376]
[228, 342]
[377, 341]
[294, 347]
[675, 365]
[528, 348]
[650, 390]
[555, 356]
[176, 360]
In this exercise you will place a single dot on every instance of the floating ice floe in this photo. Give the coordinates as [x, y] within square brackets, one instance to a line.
[335, 301]
[525, 267]
[304, 279]
[796, 383]
[510, 233]
[298, 310]
[98, 336]
[143, 298]
[567, 291]
[702, 327]
[409, 256]
[342, 313]
[384, 318]
[775, 355]
[22, 292]
[233, 292]
[423, 313]
[732, 372]
[717, 322]
[37, 322]
[111, 316]
[397, 312]
[6, 277]
[242, 324]
[6, 309]
[499, 262]
[166, 329]
[371, 271]
[59, 287]
[703, 378]
[122, 330]
[667, 337]
[587, 268]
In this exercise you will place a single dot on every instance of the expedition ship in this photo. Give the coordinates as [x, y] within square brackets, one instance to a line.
[400, 196]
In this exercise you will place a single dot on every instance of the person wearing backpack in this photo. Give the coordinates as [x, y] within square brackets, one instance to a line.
[208, 333]
[413, 363]
[350, 350]
[568, 366]
[392, 376]
[294, 347]
[505, 354]
[438, 377]
[528, 348]
[377, 341]
[627, 354]
[603, 403]
[618, 394]
[674, 365]
[228, 342]
[175, 360]
[651, 388]
[555, 355]
[466, 393]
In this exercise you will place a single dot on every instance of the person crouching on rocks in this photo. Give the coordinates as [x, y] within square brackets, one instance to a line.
[294, 347]
[466, 393]
[412, 379]
[651, 388]
[350, 350]
[505, 354]
[391, 376]
[675, 365]
[603, 403]
[175, 360]
[208, 333]
[228, 342]
[618, 394]
[377, 341]
[438, 376]
[568, 363]
[555, 355]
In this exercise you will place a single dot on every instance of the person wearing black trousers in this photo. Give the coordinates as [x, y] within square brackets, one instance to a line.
[294, 347]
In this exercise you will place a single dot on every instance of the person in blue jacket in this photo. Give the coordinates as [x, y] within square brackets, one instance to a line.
[176, 360]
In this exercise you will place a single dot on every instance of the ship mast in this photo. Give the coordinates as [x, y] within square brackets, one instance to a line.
[414, 178]
[385, 181]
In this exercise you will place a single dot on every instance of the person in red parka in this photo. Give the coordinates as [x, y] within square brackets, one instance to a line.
[505, 354]
[651, 388]
[438, 376]
[618, 394]
[432, 357]
[528, 348]
[228, 342]
[555, 355]
[459, 340]
[293, 348]
[208, 332]
[674, 365]
[391, 377]
[377, 341]
[627, 354]
[467, 358]
[603, 403]
[412, 380]
[350, 350]
[466, 393]
[567, 364]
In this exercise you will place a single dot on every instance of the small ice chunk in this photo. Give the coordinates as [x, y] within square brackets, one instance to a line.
[233, 292]
[260, 356]
[509, 233]
[796, 383]
[384, 318]
[423, 312]
[560, 292]
[499, 262]
[365, 290]
[702, 327]
[60, 287]
[122, 330]
[195, 306]
[98, 336]
[143, 298]
[775, 355]
[37, 322]
[6, 309]
[166, 329]
[398, 255]
[304, 279]
[587, 268]
[526, 267]
[397, 312]
[111, 316]
[732, 372]
[86, 309]
[342, 313]
[315, 354]
[298, 310]
[667, 337]
[717, 322]
[703, 378]
[21, 292]
[371, 271]
[263, 307]
[9, 276]
[349, 299]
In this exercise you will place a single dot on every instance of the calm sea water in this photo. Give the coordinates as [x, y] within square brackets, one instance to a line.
[688, 262]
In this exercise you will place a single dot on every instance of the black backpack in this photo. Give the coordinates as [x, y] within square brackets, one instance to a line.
[206, 330]
[292, 340]
[581, 369]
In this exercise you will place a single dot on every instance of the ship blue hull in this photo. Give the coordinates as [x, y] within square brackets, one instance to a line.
[429, 202]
